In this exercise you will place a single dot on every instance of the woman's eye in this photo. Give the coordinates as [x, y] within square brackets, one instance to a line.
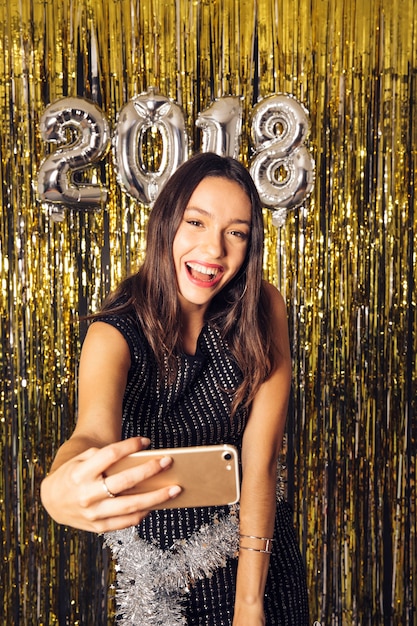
[239, 234]
[194, 222]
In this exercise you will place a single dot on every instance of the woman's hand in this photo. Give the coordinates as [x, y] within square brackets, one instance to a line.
[76, 495]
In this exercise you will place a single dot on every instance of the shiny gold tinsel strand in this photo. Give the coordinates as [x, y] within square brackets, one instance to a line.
[345, 262]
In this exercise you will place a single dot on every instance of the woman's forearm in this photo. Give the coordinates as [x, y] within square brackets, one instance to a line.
[257, 515]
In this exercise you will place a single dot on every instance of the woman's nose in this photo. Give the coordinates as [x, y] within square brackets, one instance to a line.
[215, 245]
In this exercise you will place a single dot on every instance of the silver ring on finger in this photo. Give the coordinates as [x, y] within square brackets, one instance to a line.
[109, 493]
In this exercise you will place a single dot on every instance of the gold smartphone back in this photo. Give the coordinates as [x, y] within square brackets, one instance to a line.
[208, 475]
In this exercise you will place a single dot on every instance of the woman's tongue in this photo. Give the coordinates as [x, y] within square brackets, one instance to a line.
[200, 275]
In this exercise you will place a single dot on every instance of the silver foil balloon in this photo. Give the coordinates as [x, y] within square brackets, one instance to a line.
[221, 124]
[81, 130]
[148, 111]
[282, 168]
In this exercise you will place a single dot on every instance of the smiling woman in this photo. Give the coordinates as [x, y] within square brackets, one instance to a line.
[192, 350]
[211, 242]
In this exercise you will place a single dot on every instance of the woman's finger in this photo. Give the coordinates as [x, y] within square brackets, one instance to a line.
[111, 513]
[127, 479]
[94, 462]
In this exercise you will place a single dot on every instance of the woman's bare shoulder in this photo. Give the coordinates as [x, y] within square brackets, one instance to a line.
[274, 296]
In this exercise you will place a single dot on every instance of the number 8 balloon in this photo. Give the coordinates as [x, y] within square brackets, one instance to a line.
[282, 168]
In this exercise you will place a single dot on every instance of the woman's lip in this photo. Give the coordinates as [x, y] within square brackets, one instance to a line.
[214, 266]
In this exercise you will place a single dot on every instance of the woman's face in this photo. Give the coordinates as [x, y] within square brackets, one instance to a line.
[211, 241]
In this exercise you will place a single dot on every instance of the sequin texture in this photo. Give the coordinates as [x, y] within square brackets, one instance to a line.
[196, 546]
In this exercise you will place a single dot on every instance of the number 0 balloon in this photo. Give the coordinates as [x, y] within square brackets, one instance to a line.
[145, 112]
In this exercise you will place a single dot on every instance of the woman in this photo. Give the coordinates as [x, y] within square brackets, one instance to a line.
[192, 350]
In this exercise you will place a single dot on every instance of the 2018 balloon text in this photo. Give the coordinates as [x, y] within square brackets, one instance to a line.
[282, 167]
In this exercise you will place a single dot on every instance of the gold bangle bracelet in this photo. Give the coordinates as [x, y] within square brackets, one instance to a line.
[265, 549]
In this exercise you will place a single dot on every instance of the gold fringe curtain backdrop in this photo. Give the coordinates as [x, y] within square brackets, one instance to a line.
[345, 262]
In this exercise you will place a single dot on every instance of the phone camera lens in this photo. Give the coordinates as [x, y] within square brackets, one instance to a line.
[227, 456]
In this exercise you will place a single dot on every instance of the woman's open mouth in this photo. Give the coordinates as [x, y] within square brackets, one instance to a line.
[204, 274]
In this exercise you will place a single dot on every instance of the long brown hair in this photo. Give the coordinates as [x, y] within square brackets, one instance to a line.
[239, 311]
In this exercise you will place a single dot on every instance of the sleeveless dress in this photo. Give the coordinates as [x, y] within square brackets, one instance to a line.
[178, 566]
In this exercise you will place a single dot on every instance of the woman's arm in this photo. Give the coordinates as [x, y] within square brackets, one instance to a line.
[74, 493]
[262, 442]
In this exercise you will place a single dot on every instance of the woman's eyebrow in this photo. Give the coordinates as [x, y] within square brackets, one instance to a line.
[206, 213]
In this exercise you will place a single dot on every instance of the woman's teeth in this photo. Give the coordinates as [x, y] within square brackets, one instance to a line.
[210, 272]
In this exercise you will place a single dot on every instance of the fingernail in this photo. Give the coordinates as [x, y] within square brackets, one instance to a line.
[174, 491]
[165, 461]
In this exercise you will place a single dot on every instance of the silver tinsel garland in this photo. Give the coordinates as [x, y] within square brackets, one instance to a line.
[152, 582]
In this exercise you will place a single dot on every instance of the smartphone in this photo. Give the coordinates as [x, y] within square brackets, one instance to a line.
[208, 475]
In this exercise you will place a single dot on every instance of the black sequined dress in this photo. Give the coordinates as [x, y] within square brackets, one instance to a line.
[178, 567]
